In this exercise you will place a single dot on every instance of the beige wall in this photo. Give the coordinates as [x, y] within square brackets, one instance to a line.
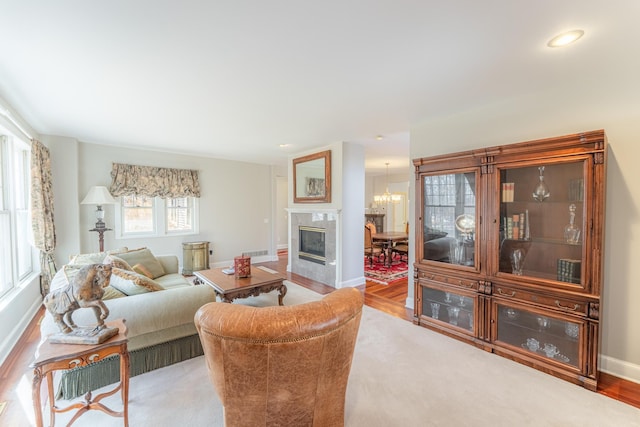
[550, 114]
[235, 204]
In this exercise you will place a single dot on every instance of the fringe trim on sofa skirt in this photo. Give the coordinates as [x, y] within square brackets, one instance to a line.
[77, 382]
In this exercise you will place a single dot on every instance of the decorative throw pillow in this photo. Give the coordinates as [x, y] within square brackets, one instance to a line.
[112, 293]
[59, 280]
[141, 269]
[132, 283]
[117, 262]
[145, 258]
[94, 258]
[71, 270]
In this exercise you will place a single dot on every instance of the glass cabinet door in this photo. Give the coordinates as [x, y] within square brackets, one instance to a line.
[542, 221]
[449, 218]
[449, 307]
[543, 335]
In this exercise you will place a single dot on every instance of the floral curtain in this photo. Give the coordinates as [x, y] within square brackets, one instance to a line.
[44, 230]
[153, 181]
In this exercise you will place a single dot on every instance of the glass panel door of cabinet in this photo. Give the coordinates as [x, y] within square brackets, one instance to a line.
[542, 217]
[540, 334]
[448, 307]
[449, 218]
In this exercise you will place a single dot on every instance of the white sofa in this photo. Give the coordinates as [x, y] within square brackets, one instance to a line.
[160, 327]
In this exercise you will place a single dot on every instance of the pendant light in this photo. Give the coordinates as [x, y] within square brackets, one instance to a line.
[387, 197]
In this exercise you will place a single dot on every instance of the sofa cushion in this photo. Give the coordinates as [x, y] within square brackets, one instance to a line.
[132, 283]
[145, 258]
[173, 280]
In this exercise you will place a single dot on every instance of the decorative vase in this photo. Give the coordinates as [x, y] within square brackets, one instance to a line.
[541, 192]
[571, 232]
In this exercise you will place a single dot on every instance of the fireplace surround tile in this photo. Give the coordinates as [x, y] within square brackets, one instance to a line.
[321, 219]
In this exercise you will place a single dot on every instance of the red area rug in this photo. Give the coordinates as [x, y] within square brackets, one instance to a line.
[380, 273]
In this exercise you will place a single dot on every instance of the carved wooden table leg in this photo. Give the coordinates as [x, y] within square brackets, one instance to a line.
[55, 357]
[35, 395]
[282, 291]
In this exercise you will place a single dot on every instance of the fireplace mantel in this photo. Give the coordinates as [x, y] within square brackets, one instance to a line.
[312, 210]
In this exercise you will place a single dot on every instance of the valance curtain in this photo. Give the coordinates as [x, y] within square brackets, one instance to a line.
[43, 226]
[153, 181]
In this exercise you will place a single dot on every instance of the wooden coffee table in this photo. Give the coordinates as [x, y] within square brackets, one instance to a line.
[228, 288]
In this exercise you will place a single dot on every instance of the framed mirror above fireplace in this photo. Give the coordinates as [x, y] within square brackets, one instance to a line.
[312, 178]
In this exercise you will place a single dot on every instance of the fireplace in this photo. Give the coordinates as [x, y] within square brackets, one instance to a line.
[312, 244]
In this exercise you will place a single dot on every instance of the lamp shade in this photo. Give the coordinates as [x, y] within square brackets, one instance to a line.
[98, 195]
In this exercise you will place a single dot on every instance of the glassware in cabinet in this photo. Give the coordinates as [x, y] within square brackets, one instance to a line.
[450, 307]
[542, 229]
[542, 334]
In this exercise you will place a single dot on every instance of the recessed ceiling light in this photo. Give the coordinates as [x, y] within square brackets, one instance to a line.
[565, 38]
[379, 137]
[283, 145]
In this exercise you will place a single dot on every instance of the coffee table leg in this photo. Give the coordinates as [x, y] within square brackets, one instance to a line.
[282, 291]
[223, 297]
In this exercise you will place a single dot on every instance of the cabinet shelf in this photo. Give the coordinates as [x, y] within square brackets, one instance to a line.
[544, 240]
[553, 285]
[546, 202]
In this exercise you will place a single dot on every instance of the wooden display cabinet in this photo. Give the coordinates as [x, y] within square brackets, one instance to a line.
[509, 243]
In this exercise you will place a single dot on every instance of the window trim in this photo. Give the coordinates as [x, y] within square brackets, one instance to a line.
[160, 220]
[14, 149]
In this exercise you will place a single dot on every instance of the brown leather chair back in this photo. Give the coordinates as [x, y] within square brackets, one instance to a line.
[282, 365]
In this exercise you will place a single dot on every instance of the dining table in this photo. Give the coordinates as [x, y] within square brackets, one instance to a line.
[388, 238]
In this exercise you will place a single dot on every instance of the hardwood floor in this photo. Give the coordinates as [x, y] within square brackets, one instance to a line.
[15, 375]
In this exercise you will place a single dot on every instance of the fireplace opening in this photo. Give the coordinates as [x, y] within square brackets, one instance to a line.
[312, 244]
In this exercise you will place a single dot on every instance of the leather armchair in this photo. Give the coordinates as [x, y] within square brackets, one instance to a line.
[282, 365]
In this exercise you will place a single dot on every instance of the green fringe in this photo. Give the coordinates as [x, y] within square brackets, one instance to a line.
[77, 382]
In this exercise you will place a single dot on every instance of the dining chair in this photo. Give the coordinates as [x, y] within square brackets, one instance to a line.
[370, 249]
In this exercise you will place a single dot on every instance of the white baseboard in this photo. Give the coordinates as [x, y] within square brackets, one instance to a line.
[7, 344]
[409, 303]
[620, 368]
[353, 283]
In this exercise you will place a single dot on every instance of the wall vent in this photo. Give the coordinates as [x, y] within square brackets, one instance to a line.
[255, 253]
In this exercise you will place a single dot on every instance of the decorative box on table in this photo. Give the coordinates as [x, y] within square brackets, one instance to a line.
[242, 265]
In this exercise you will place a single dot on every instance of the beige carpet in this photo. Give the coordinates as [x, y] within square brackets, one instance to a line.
[402, 375]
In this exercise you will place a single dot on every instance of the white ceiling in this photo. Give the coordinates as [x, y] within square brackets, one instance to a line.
[234, 79]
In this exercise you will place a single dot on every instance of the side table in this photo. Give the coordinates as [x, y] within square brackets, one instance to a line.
[53, 357]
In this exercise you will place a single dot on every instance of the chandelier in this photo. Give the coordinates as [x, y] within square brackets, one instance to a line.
[387, 197]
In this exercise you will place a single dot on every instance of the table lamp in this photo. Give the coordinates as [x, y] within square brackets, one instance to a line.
[98, 195]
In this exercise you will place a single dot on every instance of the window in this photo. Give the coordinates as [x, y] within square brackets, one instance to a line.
[448, 196]
[154, 216]
[16, 250]
[180, 214]
[137, 215]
